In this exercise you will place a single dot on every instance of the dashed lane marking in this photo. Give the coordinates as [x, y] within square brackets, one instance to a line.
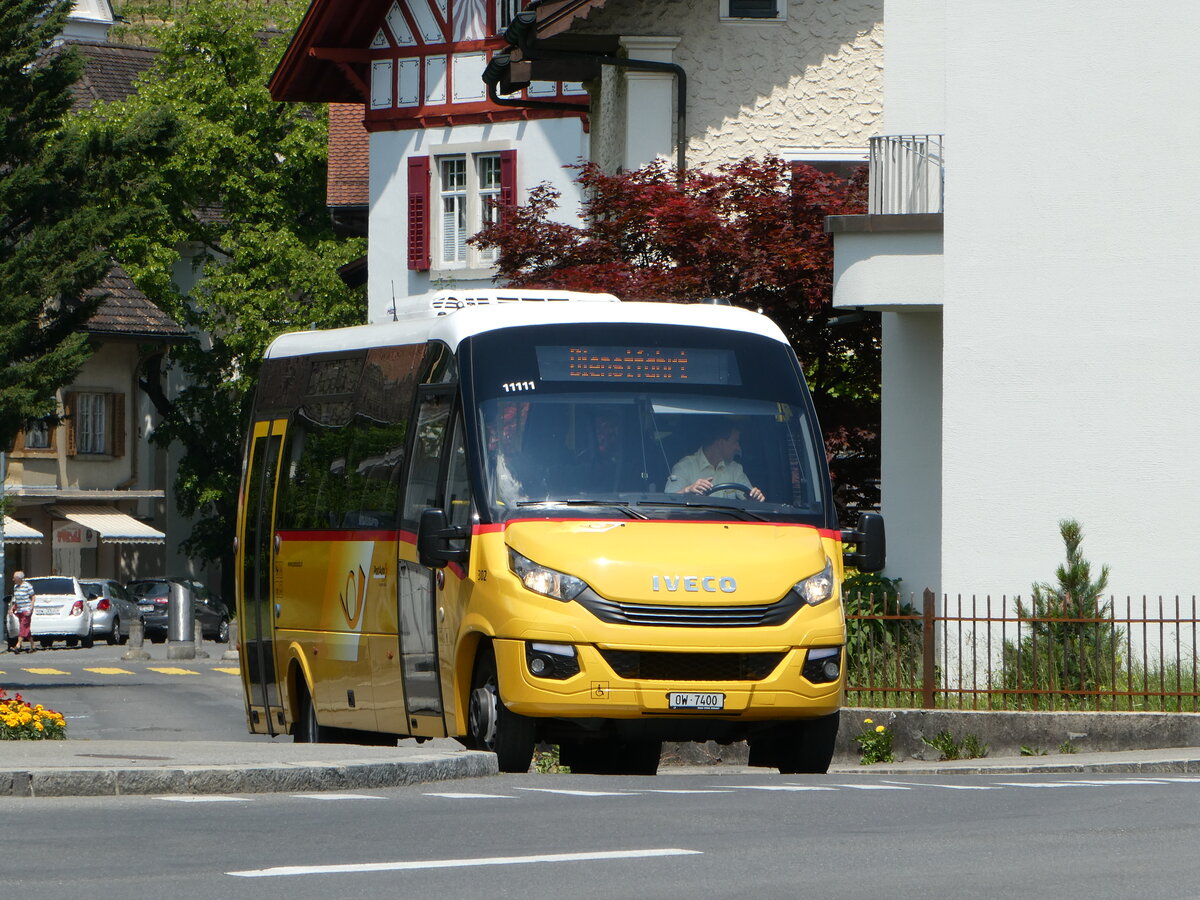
[456, 795]
[44, 671]
[580, 793]
[108, 670]
[349, 868]
[783, 787]
[205, 798]
[949, 787]
[171, 670]
[875, 787]
[228, 670]
[338, 797]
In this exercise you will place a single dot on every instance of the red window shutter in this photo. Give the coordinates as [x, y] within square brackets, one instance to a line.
[418, 213]
[508, 179]
[118, 424]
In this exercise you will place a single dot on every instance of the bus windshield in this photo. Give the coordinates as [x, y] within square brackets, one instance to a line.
[644, 422]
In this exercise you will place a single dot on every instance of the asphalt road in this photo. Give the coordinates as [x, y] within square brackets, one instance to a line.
[677, 835]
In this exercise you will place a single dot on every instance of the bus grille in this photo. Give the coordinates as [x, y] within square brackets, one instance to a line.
[760, 614]
[657, 666]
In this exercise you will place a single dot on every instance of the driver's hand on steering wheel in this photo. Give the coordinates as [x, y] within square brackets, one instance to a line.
[756, 494]
[704, 485]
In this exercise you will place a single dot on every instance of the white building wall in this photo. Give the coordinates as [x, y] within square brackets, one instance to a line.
[544, 147]
[1071, 257]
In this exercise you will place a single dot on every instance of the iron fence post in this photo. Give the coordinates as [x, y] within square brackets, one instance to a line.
[928, 675]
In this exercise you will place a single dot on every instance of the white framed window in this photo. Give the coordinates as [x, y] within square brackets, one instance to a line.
[505, 11]
[465, 184]
[91, 429]
[754, 11]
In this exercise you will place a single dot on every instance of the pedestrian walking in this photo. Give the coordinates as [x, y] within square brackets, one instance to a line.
[23, 598]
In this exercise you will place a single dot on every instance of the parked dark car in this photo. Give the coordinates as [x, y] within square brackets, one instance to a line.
[153, 595]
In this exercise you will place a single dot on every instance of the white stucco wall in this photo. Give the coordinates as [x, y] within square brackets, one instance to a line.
[1071, 257]
[544, 147]
[812, 81]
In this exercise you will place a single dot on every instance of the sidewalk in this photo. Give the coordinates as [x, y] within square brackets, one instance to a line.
[96, 768]
[99, 768]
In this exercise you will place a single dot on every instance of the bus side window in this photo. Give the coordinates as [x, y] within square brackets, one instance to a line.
[458, 483]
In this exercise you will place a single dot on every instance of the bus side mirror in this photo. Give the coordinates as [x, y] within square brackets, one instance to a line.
[433, 540]
[868, 538]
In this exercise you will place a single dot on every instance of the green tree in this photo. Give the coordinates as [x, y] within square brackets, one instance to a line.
[1071, 642]
[56, 215]
[243, 194]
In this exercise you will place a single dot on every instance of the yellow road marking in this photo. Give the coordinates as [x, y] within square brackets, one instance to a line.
[227, 671]
[40, 671]
[105, 670]
[171, 670]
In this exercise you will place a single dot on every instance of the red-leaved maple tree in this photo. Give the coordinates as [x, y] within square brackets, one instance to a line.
[753, 233]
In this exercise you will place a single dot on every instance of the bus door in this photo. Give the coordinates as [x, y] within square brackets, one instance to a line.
[256, 618]
[417, 588]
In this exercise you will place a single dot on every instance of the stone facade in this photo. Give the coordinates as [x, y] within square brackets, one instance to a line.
[812, 81]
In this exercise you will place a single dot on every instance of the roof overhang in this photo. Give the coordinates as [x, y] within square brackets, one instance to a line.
[312, 69]
[110, 524]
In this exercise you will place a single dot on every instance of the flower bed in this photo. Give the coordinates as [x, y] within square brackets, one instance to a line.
[22, 721]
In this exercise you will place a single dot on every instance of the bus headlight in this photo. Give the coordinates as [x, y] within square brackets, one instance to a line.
[817, 588]
[543, 580]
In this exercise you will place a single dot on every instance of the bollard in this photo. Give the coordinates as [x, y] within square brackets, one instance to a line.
[180, 641]
[231, 649]
[198, 631]
[137, 637]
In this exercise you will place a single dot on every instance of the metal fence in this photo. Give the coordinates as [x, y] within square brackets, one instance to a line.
[906, 174]
[1136, 654]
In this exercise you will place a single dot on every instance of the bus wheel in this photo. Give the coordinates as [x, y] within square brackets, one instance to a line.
[806, 748]
[305, 729]
[492, 727]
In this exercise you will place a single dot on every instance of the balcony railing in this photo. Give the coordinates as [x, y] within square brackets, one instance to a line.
[906, 174]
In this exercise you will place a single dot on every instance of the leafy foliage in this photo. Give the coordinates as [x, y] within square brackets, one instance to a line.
[875, 743]
[1070, 643]
[883, 638]
[243, 190]
[951, 747]
[752, 232]
[56, 215]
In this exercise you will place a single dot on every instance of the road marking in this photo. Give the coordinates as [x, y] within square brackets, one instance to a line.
[581, 793]
[206, 798]
[687, 791]
[464, 796]
[874, 787]
[949, 787]
[1101, 783]
[171, 670]
[106, 670]
[45, 671]
[783, 787]
[399, 865]
[1039, 784]
[338, 797]
[228, 670]
[1183, 780]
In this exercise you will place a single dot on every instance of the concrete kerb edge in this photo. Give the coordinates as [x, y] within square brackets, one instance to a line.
[256, 779]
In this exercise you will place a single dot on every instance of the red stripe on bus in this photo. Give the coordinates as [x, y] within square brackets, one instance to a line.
[830, 533]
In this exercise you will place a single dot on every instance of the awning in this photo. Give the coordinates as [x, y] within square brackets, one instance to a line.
[110, 524]
[19, 533]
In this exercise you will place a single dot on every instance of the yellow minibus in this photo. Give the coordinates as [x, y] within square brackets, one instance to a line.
[515, 518]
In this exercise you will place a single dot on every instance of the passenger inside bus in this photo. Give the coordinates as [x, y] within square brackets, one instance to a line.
[715, 463]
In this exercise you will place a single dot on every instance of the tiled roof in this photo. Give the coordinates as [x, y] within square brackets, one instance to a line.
[109, 71]
[349, 152]
[127, 312]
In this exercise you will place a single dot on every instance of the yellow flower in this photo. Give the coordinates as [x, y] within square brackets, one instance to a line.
[39, 726]
[868, 721]
[880, 728]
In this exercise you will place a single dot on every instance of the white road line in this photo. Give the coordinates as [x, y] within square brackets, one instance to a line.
[1039, 784]
[462, 796]
[338, 797]
[782, 787]
[581, 793]
[347, 868]
[1180, 780]
[874, 787]
[1103, 783]
[686, 791]
[206, 798]
[949, 787]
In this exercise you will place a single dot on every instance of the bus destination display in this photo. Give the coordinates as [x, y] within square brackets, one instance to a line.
[644, 365]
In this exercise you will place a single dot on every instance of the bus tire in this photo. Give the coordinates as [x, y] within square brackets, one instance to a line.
[806, 748]
[306, 729]
[491, 725]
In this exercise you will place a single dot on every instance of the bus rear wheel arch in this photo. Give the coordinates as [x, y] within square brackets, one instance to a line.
[491, 725]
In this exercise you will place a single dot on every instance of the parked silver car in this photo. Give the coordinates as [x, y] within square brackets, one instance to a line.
[113, 609]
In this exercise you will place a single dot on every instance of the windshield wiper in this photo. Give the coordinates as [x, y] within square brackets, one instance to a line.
[606, 504]
[690, 504]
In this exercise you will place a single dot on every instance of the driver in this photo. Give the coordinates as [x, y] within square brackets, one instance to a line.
[713, 463]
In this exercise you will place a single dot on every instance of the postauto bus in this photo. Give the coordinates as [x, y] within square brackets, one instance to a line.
[464, 523]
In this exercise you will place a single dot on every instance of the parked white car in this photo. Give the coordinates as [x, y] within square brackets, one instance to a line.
[60, 611]
[112, 609]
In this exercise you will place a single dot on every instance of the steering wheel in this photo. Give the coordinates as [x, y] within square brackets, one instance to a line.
[729, 486]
